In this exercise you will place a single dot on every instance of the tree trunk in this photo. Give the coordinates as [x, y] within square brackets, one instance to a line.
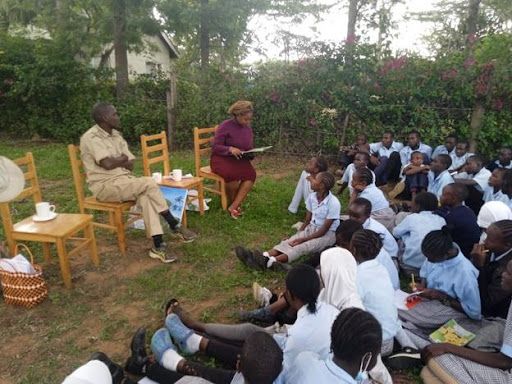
[472, 22]
[120, 48]
[171, 99]
[477, 118]
[352, 20]
[204, 36]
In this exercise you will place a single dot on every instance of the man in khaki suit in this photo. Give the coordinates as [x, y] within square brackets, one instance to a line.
[109, 163]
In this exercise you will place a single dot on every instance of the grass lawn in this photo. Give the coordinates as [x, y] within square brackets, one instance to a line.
[107, 304]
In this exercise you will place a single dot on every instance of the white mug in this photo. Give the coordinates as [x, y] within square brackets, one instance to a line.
[44, 209]
[177, 174]
[157, 176]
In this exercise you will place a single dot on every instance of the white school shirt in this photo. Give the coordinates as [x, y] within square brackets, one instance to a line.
[441, 150]
[458, 162]
[388, 241]
[310, 368]
[490, 195]
[376, 197]
[436, 184]
[387, 262]
[381, 151]
[328, 208]
[377, 294]
[349, 173]
[405, 153]
[498, 165]
[481, 178]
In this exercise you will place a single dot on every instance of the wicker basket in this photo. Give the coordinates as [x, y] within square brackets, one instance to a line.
[23, 289]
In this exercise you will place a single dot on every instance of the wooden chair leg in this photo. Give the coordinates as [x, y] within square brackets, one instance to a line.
[12, 247]
[89, 234]
[111, 218]
[121, 234]
[64, 263]
[200, 197]
[223, 196]
[46, 252]
[184, 218]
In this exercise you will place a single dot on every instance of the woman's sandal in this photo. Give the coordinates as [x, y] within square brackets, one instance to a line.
[234, 213]
[168, 309]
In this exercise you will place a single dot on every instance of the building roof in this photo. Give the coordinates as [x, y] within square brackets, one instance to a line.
[173, 51]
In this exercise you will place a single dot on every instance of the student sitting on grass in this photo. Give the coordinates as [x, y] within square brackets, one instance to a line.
[491, 259]
[459, 156]
[507, 186]
[356, 339]
[460, 220]
[449, 364]
[439, 177]
[374, 285]
[476, 178]
[359, 210]
[316, 234]
[314, 166]
[362, 182]
[415, 173]
[413, 229]
[361, 160]
[493, 191]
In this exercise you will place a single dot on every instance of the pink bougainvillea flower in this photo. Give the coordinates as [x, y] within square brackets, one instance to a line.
[469, 62]
[450, 74]
[498, 104]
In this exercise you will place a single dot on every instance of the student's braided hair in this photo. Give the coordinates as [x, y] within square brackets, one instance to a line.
[505, 227]
[303, 283]
[366, 244]
[261, 359]
[346, 230]
[426, 201]
[437, 242]
[444, 159]
[327, 179]
[364, 175]
[321, 164]
[354, 333]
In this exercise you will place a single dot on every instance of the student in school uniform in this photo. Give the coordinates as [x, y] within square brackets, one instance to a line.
[476, 178]
[385, 158]
[416, 174]
[493, 191]
[356, 339]
[507, 186]
[439, 176]
[459, 156]
[413, 229]
[450, 142]
[314, 166]
[317, 233]
[360, 210]
[504, 160]
[361, 160]
[447, 363]
[461, 220]
[491, 258]
[374, 285]
[414, 144]
[362, 183]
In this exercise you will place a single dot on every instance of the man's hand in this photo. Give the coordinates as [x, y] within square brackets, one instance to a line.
[434, 350]
[295, 242]
[479, 255]
[433, 294]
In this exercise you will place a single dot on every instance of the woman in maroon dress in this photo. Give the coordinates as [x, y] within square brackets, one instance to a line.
[232, 137]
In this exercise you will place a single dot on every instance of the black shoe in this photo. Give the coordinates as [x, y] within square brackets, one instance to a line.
[407, 358]
[280, 267]
[116, 371]
[137, 361]
[260, 260]
[248, 258]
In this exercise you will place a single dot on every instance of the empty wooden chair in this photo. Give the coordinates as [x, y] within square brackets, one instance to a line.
[116, 222]
[203, 138]
[155, 151]
[63, 227]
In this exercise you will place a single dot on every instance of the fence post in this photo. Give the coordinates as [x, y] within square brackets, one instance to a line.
[171, 109]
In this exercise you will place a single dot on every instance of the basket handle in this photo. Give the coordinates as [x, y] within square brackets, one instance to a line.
[25, 248]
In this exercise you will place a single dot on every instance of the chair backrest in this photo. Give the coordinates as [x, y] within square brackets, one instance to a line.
[78, 174]
[203, 139]
[157, 152]
[31, 190]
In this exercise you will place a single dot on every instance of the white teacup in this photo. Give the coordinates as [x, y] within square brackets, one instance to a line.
[44, 210]
[157, 176]
[177, 174]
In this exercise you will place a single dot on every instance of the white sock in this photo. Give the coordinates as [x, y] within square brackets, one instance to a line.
[271, 260]
[193, 343]
[266, 254]
[170, 360]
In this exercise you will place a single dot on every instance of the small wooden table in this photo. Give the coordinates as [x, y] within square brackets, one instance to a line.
[187, 183]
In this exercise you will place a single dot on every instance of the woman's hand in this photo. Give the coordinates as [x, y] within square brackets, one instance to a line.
[434, 350]
[479, 255]
[433, 294]
[295, 242]
[235, 152]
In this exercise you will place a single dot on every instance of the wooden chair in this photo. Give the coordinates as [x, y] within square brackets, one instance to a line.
[57, 231]
[203, 138]
[115, 210]
[156, 151]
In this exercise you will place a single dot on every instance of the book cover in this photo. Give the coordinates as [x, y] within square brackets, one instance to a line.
[452, 333]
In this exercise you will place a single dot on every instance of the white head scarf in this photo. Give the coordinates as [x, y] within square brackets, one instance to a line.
[338, 269]
[492, 212]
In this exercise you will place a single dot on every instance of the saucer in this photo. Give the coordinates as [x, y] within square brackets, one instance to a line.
[52, 216]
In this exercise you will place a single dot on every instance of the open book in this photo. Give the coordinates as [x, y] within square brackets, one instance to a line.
[452, 333]
[256, 150]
